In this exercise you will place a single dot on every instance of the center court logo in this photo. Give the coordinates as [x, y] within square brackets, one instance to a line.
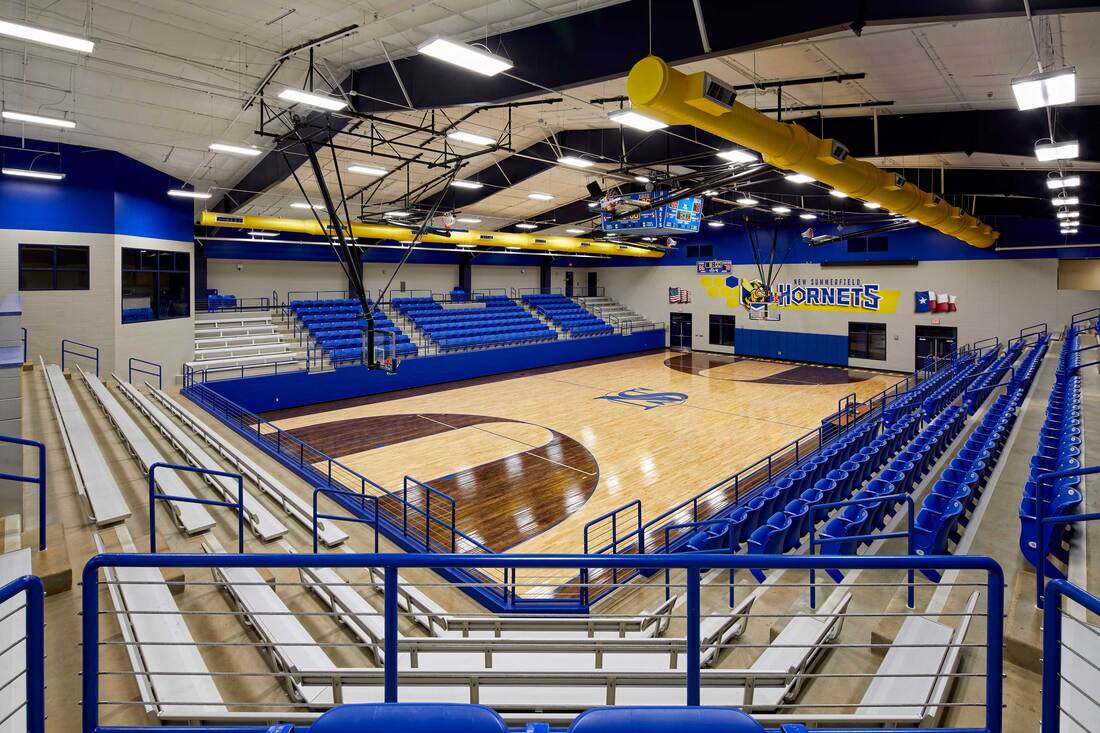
[645, 398]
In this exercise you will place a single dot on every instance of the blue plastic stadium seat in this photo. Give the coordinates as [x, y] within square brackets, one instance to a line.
[409, 718]
[657, 719]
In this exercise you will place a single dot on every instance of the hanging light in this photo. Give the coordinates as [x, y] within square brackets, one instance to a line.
[1063, 182]
[636, 120]
[464, 55]
[739, 155]
[837, 194]
[1050, 150]
[807, 216]
[799, 178]
[1045, 90]
[1065, 200]
[747, 201]
[781, 209]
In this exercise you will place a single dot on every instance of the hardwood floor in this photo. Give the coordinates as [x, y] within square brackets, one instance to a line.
[530, 459]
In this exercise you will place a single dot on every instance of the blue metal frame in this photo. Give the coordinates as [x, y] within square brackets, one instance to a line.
[613, 515]
[429, 518]
[154, 495]
[40, 479]
[158, 373]
[702, 523]
[90, 357]
[1041, 522]
[362, 498]
[24, 330]
[692, 564]
[1052, 641]
[31, 585]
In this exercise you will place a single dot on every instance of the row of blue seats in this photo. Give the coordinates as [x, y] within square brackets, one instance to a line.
[497, 339]
[984, 383]
[315, 318]
[470, 316]
[568, 315]
[948, 392]
[915, 396]
[542, 297]
[355, 353]
[484, 330]
[295, 304]
[314, 310]
[1058, 449]
[136, 315]
[215, 301]
[453, 325]
[594, 329]
[339, 342]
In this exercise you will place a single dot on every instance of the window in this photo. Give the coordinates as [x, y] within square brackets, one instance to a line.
[52, 267]
[722, 329]
[155, 285]
[700, 251]
[859, 245]
[867, 341]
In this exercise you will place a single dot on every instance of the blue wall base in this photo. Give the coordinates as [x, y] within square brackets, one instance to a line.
[278, 391]
[817, 348]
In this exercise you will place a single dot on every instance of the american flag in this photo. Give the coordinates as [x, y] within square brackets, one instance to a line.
[679, 295]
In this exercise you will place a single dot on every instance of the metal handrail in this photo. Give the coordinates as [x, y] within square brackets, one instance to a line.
[1041, 553]
[40, 480]
[34, 632]
[1052, 647]
[158, 373]
[363, 500]
[66, 350]
[154, 495]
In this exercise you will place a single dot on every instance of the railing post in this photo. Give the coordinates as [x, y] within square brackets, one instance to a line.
[1051, 690]
[693, 657]
[391, 661]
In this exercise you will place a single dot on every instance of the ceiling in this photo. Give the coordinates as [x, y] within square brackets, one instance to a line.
[168, 78]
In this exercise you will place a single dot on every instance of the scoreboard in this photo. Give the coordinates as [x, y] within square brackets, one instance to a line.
[682, 215]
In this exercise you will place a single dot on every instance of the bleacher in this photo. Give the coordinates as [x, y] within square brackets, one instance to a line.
[489, 321]
[567, 315]
[337, 327]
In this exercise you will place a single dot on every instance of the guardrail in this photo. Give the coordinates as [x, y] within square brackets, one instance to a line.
[33, 673]
[66, 349]
[1039, 328]
[39, 480]
[364, 502]
[1084, 316]
[130, 369]
[155, 495]
[316, 295]
[1041, 522]
[1054, 649]
[239, 305]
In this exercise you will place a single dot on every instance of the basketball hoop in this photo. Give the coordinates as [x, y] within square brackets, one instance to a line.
[385, 350]
[767, 313]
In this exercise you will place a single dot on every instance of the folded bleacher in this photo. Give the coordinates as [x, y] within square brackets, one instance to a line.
[337, 327]
[567, 315]
[500, 321]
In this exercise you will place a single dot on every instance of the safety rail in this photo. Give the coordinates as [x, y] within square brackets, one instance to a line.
[365, 502]
[1042, 551]
[538, 291]
[1086, 316]
[1040, 328]
[193, 375]
[39, 480]
[611, 521]
[66, 349]
[239, 305]
[1054, 708]
[130, 369]
[423, 491]
[33, 641]
[488, 291]
[317, 682]
[670, 528]
[300, 295]
[629, 327]
[1082, 365]
[155, 496]
[583, 291]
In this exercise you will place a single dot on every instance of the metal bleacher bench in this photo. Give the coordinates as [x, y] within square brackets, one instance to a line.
[298, 508]
[94, 479]
[192, 518]
[262, 522]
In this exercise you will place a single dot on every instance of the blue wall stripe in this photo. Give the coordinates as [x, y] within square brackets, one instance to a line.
[818, 348]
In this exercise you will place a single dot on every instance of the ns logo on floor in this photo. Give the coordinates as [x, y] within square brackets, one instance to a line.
[645, 398]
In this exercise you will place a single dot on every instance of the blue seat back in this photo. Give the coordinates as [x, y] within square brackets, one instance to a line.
[663, 720]
[410, 718]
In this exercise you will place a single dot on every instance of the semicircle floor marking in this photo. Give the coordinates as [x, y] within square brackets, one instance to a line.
[744, 369]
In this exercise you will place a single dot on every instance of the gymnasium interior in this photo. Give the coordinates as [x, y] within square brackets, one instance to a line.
[549, 366]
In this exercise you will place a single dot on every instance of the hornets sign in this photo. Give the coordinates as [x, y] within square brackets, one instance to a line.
[843, 294]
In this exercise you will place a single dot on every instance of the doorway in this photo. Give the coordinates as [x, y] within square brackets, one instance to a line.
[569, 283]
[679, 331]
[934, 342]
[592, 284]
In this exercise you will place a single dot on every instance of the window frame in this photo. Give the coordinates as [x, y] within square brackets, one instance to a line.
[867, 329]
[54, 268]
[725, 323]
[162, 264]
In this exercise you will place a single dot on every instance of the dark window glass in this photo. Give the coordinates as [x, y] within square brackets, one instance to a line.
[857, 244]
[155, 285]
[867, 341]
[53, 267]
[878, 244]
[722, 329]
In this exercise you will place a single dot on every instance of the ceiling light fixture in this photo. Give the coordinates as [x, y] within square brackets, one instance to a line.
[871, 205]
[781, 209]
[470, 138]
[1063, 214]
[525, 225]
[537, 196]
[912, 221]
[464, 55]
[235, 150]
[574, 230]
[367, 170]
[24, 173]
[636, 120]
[38, 119]
[799, 178]
[466, 184]
[1065, 200]
[468, 220]
[710, 192]
[256, 233]
[1045, 90]
[747, 201]
[576, 161]
[642, 179]
[1066, 182]
[716, 224]
[397, 214]
[739, 155]
[48, 38]
[807, 216]
[185, 194]
[1048, 151]
[304, 205]
[837, 194]
[312, 99]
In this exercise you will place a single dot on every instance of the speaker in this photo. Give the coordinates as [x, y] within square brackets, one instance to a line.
[594, 189]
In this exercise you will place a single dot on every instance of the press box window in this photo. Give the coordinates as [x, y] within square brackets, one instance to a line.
[155, 285]
[722, 329]
[867, 341]
[53, 267]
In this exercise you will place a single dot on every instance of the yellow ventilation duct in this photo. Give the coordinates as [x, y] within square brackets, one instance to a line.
[661, 92]
[542, 243]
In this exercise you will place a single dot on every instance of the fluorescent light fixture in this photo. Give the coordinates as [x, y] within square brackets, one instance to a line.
[465, 246]
[871, 205]
[466, 184]
[38, 120]
[716, 224]
[710, 192]
[642, 179]
[1074, 214]
[184, 194]
[256, 233]
[367, 170]
[525, 225]
[807, 216]
[574, 230]
[312, 99]
[576, 162]
[540, 196]
[747, 201]
[1067, 150]
[1067, 182]
[837, 194]
[48, 38]
[24, 173]
[739, 155]
[513, 248]
[235, 150]
[468, 220]
[397, 214]
[636, 120]
[1065, 200]
[593, 204]
[304, 205]
[470, 138]
[1067, 214]
[911, 221]
[464, 55]
[781, 209]
[799, 178]
[1045, 90]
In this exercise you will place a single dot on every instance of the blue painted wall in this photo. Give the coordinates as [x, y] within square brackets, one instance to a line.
[103, 192]
[260, 394]
[818, 348]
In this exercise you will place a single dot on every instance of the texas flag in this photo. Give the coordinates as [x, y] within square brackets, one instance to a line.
[925, 301]
[943, 303]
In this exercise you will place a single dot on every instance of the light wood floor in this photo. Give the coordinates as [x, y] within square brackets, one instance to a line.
[661, 456]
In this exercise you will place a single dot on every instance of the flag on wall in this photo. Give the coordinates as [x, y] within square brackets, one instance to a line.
[925, 301]
[929, 301]
[679, 295]
[943, 303]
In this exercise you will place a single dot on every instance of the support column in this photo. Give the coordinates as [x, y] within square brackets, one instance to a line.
[199, 265]
[466, 273]
[545, 270]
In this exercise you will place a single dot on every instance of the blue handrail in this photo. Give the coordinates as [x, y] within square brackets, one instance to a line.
[31, 585]
[1052, 647]
[154, 495]
[693, 525]
[90, 357]
[24, 330]
[692, 564]
[40, 480]
[613, 545]
[131, 369]
[427, 510]
[1084, 316]
[362, 498]
[1041, 522]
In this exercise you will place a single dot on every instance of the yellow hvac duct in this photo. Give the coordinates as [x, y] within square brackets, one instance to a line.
[542, 243]
[661, 92]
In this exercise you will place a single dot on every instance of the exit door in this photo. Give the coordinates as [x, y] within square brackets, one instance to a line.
[679, 331]
[591, 284]
[569, 283]
[934, 342]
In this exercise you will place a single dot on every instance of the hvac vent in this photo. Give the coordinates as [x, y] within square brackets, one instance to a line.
[230, 219]
[540, 241]
[486, 236]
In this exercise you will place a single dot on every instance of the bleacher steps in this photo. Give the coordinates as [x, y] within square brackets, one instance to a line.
[53, 565]
[260, 342]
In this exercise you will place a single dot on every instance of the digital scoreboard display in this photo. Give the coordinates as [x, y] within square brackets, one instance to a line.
[675, 217]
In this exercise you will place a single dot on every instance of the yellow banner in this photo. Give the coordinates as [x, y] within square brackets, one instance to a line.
[837, 295]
